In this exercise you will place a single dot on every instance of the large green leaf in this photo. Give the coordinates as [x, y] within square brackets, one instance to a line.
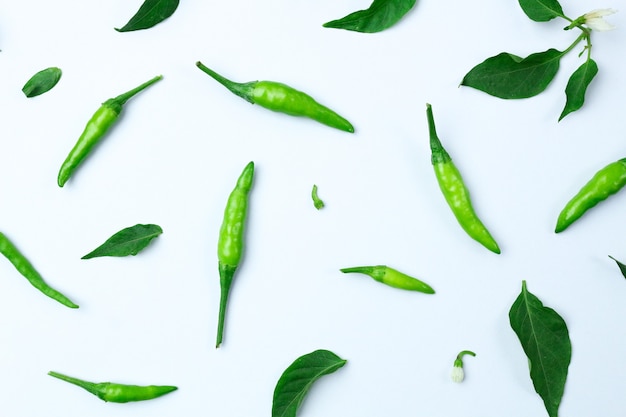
[511, 77]
[541, 10]
[128, 241]
[298, 378]
[151, 13]
[577, 86]
[545, 340]
[381, 15]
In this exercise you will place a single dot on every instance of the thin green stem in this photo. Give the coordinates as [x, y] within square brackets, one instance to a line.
[584, 35]
[359, 269]
[243, 90]
[226, 279]
[89, 386]
[123, 98]
[439, 154]
[459, 358]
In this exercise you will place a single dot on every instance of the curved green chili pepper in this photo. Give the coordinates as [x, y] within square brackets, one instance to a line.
[97, 126]
[118, 393]
[603, 184]
[29, 272]
[230, 243]
[454, 190]
[282, 98]
[392, 277]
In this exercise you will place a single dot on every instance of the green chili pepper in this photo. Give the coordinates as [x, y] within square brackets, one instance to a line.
[603, 184]
[97, 126]
[117, 393]
[25, 268]
[282, 98]
[230, 243]
[392, 277]
[454, 190]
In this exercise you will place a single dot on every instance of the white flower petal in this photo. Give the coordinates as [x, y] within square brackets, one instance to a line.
[457, 374]
[599, 13]
[594, 19]
[599, 24]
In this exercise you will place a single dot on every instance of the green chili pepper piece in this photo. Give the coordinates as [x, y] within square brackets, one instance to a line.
[96, 128]
[392, 277]
[454, 190]
[282, 98]
[230, 243]
[117, 393]
[606, 182]
[29, 272]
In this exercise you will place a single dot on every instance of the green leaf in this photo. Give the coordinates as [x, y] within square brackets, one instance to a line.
[541, 10]
[545, 340]
[41, 82]
[621, 266]
[149, 14]
[297, 379]
[381, 15]
[577, 86]
[511, 77]
[128, 241]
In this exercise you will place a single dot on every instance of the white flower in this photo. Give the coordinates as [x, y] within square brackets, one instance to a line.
[595, 19]
[457, 374]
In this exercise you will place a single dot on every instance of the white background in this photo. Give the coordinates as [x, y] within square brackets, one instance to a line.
[174, 157]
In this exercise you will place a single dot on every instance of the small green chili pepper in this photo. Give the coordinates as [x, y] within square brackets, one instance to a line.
[97, 126]
[118, 393]
[282, 98]
[230, 243]
[392, 277]
[603, 184]
[25, 268]
[454, 190]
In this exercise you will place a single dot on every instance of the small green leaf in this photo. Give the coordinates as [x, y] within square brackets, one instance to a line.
[541, 10]
[545, 340]
[298, 378]
[149, 14]
[128, 241]
[577, 86]
[381, 15]
[621, 266]
[511, 77]
[41, 82]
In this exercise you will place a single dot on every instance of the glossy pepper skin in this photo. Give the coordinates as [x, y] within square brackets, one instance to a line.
[606, 182]
[96, 128]
[24, 267]
[231, 240]
[282, 98]
[392, 277]
[454, 190]
[117, 393]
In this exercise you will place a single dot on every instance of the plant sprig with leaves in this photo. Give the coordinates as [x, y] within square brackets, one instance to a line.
[509, 76]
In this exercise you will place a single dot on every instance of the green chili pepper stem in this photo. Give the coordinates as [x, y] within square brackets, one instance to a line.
[439, 154]
[367, 270]
[318, 203]
[119, 101]
[92, 387]
[243, 90]
[226, 278]
[458, 362]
